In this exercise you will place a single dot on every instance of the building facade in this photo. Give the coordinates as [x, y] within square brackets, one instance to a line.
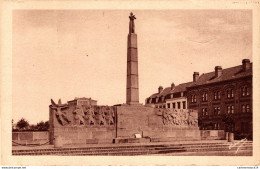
[173, 97]
[222, 92]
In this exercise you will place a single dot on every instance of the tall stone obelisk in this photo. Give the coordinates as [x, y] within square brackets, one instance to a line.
[132, 89]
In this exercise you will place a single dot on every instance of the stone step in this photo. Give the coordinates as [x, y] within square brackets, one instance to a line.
[137, 149]
[210, 153]
[175, 153]
[133, 147]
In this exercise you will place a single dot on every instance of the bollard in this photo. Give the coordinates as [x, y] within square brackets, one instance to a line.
[230, 137]
[226, 136]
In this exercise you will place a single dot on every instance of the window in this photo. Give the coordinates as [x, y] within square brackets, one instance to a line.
[193, 98]
[245, 91]
[168, 105]
[243, 108]
[230, 93]
[247, 108]
[215, 126]
[204, 112]
[217, 95]
[184, 104]
[173, 105]
[179, 105]
[216, 110]
[204, 97]
[164, 106]
[230, 109]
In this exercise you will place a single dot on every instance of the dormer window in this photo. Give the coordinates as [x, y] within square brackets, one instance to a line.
[157, 99]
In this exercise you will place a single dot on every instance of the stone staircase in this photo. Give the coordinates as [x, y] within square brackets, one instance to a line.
[171, 149]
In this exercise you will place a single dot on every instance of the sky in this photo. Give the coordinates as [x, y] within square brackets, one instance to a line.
[82, 53]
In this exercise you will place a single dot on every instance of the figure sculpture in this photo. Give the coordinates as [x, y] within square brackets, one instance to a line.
[78, 116]
[109, 115]
[89, 115]
[132, 24]
[178, 118]
[100, 116]
[60, 115]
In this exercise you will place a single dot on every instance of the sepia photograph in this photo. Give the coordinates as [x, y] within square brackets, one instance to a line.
[132, 83]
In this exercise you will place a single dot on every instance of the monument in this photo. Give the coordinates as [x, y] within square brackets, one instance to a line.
[132, 89]
[77, 123]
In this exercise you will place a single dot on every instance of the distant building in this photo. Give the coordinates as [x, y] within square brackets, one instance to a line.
[171, 97]
[223, 91]
[82, 101]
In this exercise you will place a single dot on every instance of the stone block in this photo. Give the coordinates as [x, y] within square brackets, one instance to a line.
[15, 136]
[91, 141]
[132, 54]
[26, 136]
[132, 69]
[132, 40]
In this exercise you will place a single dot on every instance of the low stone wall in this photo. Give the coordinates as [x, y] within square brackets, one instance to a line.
[84, 134]
[30, 137]
[212, 134]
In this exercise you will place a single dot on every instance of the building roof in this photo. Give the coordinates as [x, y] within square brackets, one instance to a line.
[82, 98]
[179, 88]
[163, 93]
[227, 74]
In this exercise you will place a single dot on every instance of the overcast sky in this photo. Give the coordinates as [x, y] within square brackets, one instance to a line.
[73, 53]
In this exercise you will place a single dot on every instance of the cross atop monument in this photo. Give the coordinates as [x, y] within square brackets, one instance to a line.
[132, 16]
[131, 23]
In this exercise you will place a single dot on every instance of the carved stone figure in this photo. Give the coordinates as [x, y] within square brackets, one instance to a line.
[78, 116]
[192, 120]
[131, 23]
[109, 115]
[89, 116]
[178, 118]
[60, 115]
[100, 117]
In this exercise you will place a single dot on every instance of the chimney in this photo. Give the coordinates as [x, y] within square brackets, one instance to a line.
[160, 89]
[246, 64]
[195, 76]
[172, 86]
[218, 71]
